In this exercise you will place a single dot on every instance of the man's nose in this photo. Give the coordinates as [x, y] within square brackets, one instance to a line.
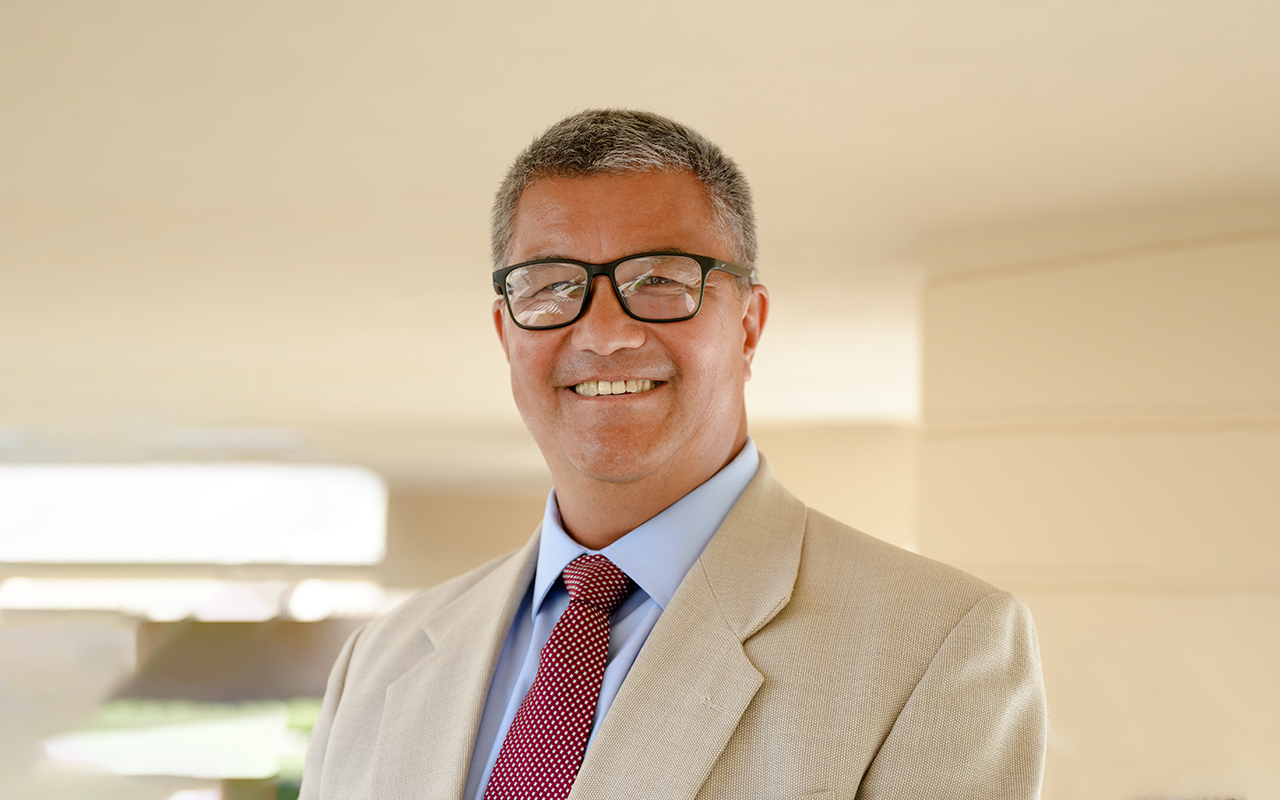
[605, 327]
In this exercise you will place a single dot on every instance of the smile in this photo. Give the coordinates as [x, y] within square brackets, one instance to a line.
[597, 388]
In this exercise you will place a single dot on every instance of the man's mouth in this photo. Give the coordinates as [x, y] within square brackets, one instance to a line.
[597, 388]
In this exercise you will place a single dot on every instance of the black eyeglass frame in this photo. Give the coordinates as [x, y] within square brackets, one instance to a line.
[707, 263]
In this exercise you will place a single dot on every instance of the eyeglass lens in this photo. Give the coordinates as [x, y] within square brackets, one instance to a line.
[651, 287]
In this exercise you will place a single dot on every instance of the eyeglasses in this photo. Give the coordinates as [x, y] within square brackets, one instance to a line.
[651, 287]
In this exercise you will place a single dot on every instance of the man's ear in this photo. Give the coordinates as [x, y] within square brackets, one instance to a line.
[753, 325]
[499, 311]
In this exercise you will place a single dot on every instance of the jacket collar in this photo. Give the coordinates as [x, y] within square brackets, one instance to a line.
[692, 681]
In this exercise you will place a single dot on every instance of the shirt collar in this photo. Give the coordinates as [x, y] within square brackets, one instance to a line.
[658, 553]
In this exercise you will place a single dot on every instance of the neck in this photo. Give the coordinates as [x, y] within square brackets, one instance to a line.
[597, 513]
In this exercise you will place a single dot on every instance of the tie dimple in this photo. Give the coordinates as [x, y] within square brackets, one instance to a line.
[544, 747]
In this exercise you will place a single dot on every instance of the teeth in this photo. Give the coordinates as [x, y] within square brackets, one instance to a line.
[596, 388]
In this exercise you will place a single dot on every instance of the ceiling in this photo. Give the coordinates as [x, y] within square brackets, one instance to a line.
[251, 228]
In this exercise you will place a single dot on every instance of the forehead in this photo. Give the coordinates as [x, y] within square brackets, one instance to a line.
[600, 218]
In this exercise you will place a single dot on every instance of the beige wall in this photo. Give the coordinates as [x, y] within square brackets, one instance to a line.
[433, 534]
[1102, 435]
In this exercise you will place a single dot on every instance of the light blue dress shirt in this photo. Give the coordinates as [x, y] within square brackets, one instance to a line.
[655, 556]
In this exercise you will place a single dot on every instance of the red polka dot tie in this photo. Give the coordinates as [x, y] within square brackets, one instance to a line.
[544, 747]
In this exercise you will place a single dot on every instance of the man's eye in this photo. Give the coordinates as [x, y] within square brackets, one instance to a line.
[646, 282]
[563, 289]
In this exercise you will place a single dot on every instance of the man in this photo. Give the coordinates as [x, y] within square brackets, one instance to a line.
[748, 647]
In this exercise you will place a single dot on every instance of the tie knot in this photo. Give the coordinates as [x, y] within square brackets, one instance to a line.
[596, 581]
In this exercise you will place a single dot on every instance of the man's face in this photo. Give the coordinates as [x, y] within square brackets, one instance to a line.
[693, 420]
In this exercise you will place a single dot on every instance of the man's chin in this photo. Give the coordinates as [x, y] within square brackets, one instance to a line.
[619, 461]
[617, 470]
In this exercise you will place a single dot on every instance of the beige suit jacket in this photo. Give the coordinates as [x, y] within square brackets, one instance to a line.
[799, 658]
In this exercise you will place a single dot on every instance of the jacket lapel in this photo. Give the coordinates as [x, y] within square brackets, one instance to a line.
[692, 681]
[428, 732]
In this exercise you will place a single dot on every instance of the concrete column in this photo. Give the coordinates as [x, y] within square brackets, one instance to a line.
[1101, 434]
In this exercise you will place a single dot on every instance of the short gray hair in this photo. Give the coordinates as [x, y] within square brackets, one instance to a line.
[619, 141]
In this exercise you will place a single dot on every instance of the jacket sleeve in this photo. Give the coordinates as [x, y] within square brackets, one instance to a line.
[313, 771]
[976, 724]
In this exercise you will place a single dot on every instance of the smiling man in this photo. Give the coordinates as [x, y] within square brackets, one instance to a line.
[620, 457]
[679, 626]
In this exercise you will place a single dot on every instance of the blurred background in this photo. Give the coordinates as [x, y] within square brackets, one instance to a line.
[1025, 269]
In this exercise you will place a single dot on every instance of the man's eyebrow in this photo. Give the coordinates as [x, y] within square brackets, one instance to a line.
[549, 255]
[555, 255]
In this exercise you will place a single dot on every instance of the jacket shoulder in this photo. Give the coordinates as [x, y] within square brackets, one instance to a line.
[407, 618]
[841, 554]
[860, 589]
